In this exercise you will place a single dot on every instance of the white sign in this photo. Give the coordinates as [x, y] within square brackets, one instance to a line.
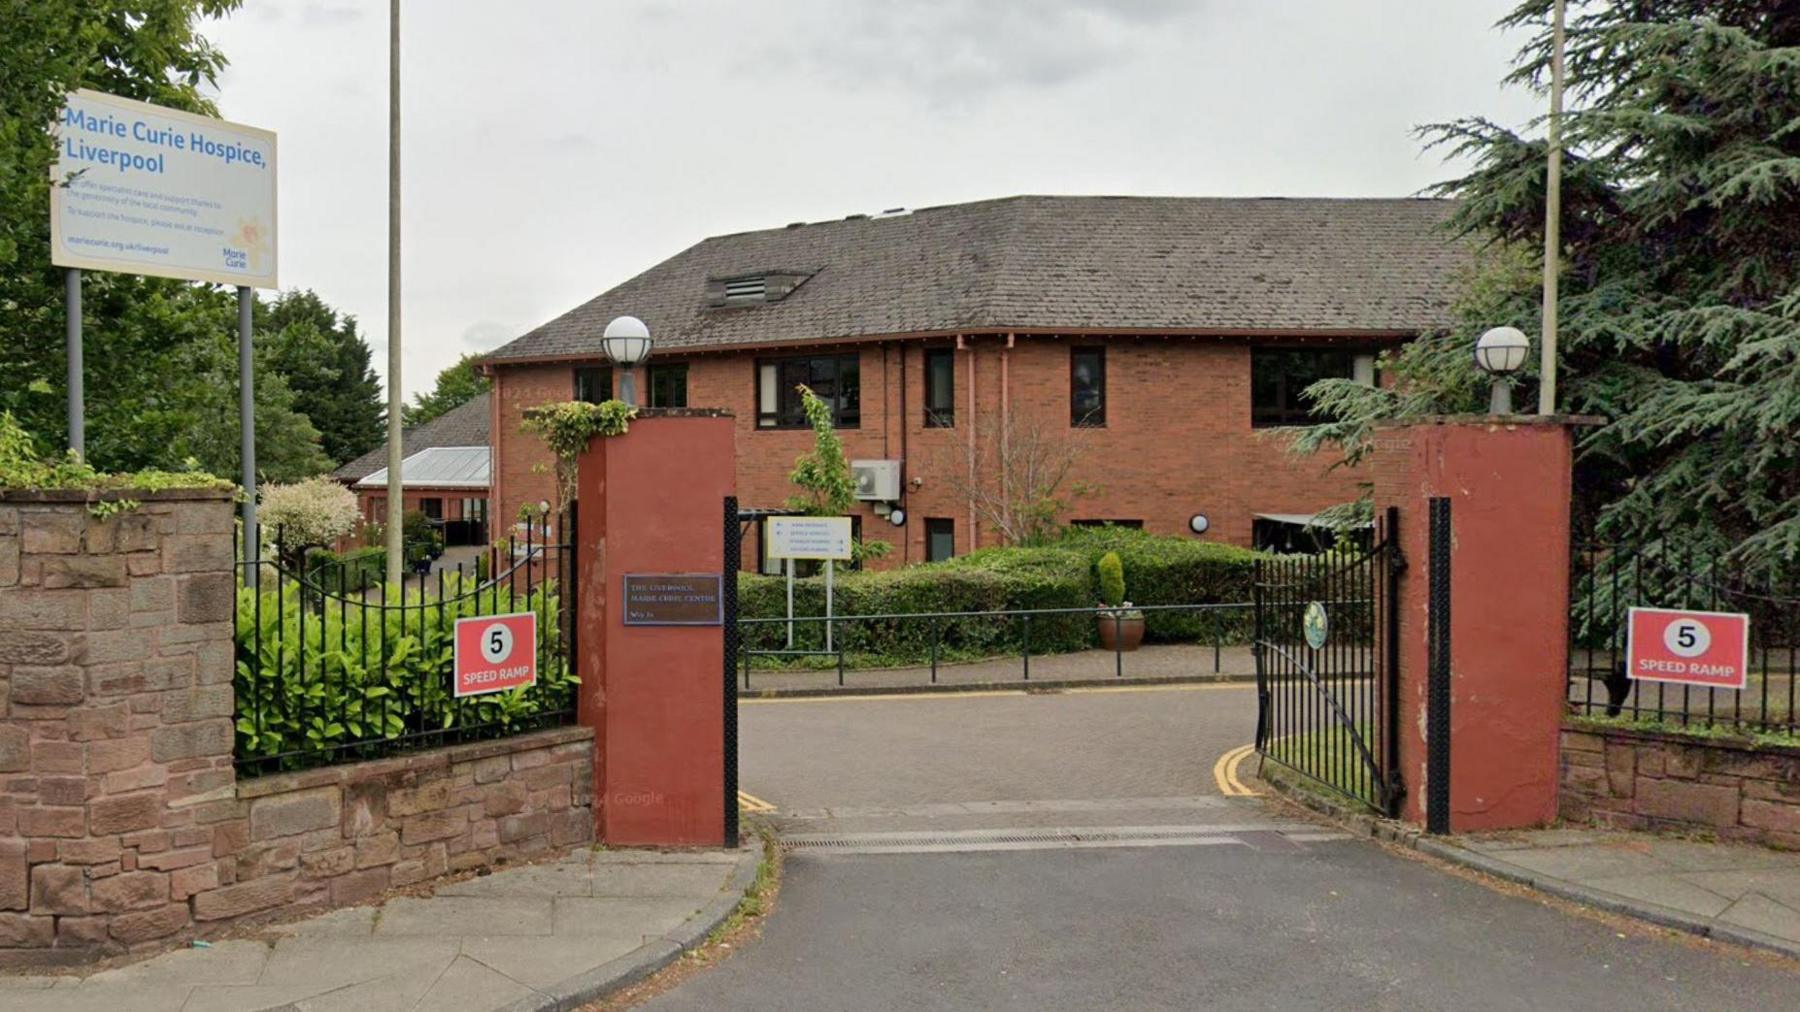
[157, 191]
[808, 537]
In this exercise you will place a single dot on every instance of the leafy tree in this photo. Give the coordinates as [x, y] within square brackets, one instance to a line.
[326, 365]
[827, 488]
[137, 328]
[456, 385]
[160, 355]
[1681, 280]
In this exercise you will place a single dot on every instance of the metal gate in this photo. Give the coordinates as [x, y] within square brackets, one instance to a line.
[1326, 666]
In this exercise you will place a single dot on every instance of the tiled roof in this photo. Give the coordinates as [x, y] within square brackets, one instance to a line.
[439, 467]
[1050, 263]
[464, 425]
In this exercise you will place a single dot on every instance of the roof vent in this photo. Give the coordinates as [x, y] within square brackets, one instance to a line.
[751, 289]
[795, 224]
[856, 217]
[893, 212]
[747, 289]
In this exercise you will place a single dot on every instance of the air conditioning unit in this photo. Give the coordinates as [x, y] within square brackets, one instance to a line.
[876, 480]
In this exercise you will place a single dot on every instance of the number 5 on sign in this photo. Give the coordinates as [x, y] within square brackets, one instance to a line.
[495, 652]
[1710, 648]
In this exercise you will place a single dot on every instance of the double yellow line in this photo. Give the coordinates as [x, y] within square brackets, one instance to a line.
[753, 804]
[1225, 772]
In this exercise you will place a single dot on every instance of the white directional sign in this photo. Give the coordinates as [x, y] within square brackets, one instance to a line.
[808, 537]
[140, 189]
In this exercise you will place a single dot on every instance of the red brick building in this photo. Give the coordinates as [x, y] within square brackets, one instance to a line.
[445, 473]
[1159, 334]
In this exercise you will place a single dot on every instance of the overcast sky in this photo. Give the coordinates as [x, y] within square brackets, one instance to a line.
[557, 147]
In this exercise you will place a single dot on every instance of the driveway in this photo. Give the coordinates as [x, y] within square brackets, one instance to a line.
[1075, 851]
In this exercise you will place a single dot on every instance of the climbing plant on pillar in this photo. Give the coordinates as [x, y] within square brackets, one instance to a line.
[567, 428]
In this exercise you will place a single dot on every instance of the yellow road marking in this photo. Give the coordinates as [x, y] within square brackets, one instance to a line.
[1225, 772]
[752, 803]
[990, 693]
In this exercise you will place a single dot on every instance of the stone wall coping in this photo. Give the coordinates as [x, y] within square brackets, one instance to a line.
[374, 769]
[1499, 421]
[1649, 736]
[87, 495]
[685, 413]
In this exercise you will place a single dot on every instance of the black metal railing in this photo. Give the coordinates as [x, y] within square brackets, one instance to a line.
[1608, 579]
[987, 646]
[332, 671]
[1326, 700]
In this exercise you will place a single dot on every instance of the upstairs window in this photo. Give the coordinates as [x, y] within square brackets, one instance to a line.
[668, 385]
[940, 388]
[1087, 387]
[835, 378]
[593, 384]
[1279, 378]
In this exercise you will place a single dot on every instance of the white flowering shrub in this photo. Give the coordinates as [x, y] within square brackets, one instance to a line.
[305, 514]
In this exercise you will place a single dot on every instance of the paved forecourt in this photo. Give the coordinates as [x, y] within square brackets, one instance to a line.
[525, 938]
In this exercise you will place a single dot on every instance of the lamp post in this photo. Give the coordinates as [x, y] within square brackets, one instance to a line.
[1501, 352]
[627, 343]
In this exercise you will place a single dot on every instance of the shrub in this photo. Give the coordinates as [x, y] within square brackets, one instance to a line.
[1177, 571]
[1111, 576]
[312, 677]
[305, 514]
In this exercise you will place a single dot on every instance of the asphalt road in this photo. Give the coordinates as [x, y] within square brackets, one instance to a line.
[1073, 851]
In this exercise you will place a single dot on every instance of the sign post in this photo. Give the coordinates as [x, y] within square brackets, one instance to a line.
[143, 189]
[825, 538]
[1705, 648]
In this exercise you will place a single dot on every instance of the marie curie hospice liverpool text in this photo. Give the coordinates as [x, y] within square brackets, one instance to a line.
[92, 147]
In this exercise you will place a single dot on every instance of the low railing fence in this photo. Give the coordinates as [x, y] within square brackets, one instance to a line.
[1608, 579]
[330, 671]
[923, 645]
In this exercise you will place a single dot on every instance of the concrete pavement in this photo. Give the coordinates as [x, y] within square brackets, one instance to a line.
[535, 937]
[1733, 892]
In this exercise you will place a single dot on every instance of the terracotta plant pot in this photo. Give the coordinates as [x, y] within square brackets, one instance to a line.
[1124, 633]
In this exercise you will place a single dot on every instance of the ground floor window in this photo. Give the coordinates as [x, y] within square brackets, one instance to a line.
[1136, 525]
[432, 508]
[1294, 533]
[940, 539]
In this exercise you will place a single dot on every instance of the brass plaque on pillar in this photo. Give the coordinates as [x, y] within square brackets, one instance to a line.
[673, 599]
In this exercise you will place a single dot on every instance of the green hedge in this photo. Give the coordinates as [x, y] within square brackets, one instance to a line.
[992, 580]
[1157, 571]
[350, 678]
[347, 572]
[1161, 570]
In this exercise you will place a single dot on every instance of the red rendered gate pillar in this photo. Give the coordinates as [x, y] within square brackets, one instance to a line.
[1508, 482]
[650, 503]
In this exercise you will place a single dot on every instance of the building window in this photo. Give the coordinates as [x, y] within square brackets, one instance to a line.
[1136, 525]
[432, 508]
[940, 539]
[833, 377]
[593, 384]
[1087, 387]
[1279, 378]
[940, 388]
[668, 385]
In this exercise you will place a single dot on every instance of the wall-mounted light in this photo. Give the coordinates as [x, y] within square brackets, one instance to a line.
[1501, 352]
[897, 517]
[1198, 523]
